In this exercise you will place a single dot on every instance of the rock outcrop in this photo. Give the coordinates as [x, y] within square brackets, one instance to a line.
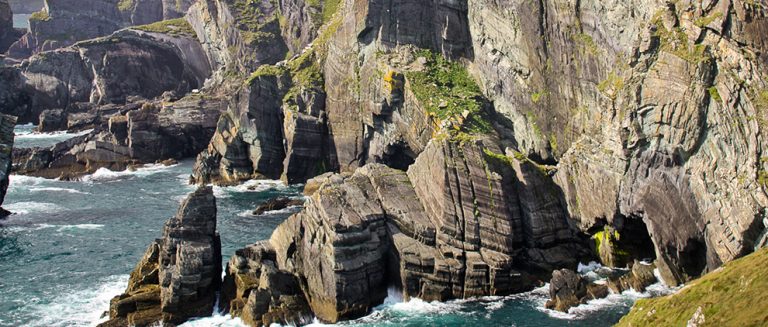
[26, 6]
[568, 289]
[7, 124]
[179, 275]
[61, 23]
[278, 203]
[144, 62]
[8, 34]
[125, 136]
[466, 234]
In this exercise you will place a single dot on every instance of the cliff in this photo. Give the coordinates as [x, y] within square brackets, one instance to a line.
[26, 6]
[61, 23]
[8, 34]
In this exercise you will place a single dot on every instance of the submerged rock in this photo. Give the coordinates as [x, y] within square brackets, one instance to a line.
[278, 203]
[179, 275]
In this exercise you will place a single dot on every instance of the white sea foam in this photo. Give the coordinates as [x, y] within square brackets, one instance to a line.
[105, 175]
[21, 181]
[25, 208]
[217, 320]
[80, 307]
[25, 135]
[249, 186]
[56, 189]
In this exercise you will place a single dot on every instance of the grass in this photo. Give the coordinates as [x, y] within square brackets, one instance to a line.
[675, 41]
[731, 296]
[41, 15]
[174, 27]
[714, 94]
[448, 93]
[125, 5]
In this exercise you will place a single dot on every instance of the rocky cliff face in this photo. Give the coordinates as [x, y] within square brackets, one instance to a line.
[62, 23]
[7, 123]
[26, 6]
[8, 34]
[179, 275]
[144, 62]
[611, 116]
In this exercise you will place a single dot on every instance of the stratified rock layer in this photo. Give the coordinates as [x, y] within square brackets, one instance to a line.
[452, 227]
[179, 275]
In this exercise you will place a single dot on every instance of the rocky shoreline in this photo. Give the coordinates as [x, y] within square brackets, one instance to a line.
[451, 149]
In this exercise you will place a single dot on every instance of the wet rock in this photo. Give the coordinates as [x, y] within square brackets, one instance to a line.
[278, 203]
[178, 276]
[639, 277]
[52, 120]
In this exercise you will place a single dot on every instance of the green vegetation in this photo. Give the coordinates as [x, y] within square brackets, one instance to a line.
[675, 41]
[174, 27]
[41, 16]
[731, 296]
[586, 43]
[536, 97]
[324, 14]
[448, 93]
[125, 5]
[612, 85]
[705, 21]
[714, 94]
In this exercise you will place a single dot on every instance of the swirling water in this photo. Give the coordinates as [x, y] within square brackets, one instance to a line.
[70, 246]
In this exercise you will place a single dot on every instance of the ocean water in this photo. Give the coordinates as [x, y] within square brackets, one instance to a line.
[70, 246]
[26, 137]
[21, 20]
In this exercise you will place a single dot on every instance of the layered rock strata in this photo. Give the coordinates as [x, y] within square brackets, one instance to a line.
[466, 234]
[145, 62]
[179, 275]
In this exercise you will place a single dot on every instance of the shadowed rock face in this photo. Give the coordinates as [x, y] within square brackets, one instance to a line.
[179, 275]
[26, 6]
[8, 34]
[7, 124]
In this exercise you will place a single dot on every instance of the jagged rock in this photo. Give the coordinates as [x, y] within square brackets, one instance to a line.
[131, 135]
[61, 23]
[259, 293]
[52, 120]
[115, 69]
[7, 124]
[278, 203]
[178, 276]
[361, 232]
[566, 290]
[640, 277]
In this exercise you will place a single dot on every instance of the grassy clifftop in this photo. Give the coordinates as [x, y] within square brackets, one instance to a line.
[731, 296]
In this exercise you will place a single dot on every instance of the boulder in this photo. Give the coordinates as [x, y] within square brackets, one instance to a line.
[278, 203]
[179, 275]
[52, 120]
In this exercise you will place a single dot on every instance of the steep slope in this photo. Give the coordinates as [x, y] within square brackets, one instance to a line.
[729, 296]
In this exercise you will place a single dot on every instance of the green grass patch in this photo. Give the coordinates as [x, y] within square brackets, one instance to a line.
[731, 296]
[174, 27]
[448, 92]
[125, 5]
[714, 94]
[40, 16]
[675, 41]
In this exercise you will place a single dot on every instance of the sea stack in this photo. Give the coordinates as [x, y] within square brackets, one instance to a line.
[179, 275]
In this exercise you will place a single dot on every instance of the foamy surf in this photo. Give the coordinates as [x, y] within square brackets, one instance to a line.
[25, 208]
[79, 307]
[27, 138]
[56, 189]
[250, 186]
[106, 175]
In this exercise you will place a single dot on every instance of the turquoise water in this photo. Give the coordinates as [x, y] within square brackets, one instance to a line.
[71, 245]
[26, 137]
[21, 20]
